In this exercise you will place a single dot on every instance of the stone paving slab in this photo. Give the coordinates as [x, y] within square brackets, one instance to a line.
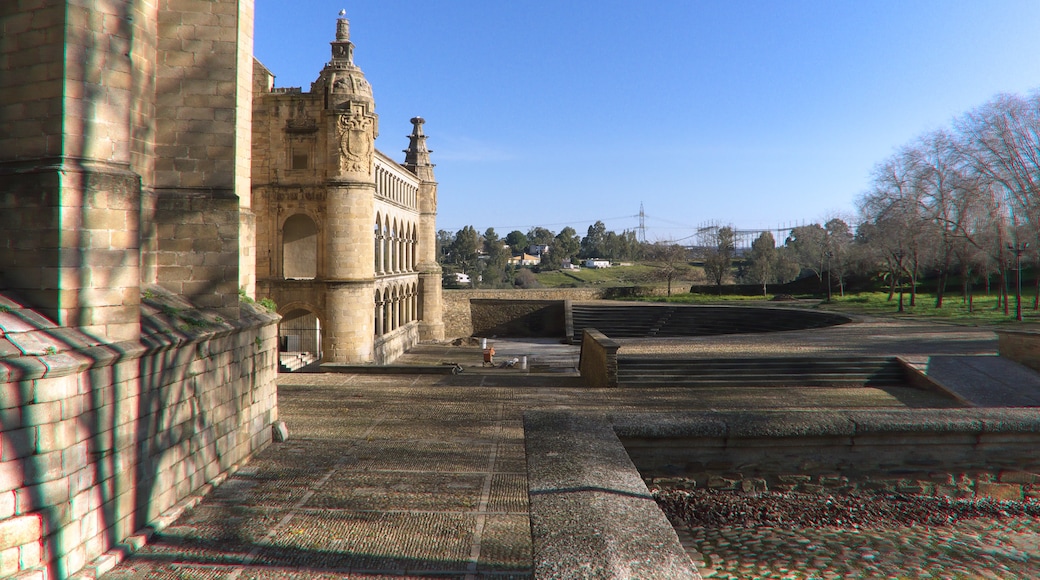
[983, 381]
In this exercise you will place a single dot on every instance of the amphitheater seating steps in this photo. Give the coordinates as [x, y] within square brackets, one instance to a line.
[760, 371]
[639, 321]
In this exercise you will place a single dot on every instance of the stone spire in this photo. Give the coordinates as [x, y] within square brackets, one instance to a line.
[417, 156]
[341, 80]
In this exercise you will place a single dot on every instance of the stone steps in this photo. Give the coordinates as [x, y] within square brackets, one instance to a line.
[645, 321]
[761, 371]
[290, 362]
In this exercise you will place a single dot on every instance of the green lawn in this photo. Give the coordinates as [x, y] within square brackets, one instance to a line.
[954, 310]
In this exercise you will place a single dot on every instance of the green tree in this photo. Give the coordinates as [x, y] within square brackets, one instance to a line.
[517, 241]
[540, 236]
[495, 270]
[444, 239]
[718, 258]
[763, 260]
[808, 245]
[592, 245]
[464, 253]
[566, 245]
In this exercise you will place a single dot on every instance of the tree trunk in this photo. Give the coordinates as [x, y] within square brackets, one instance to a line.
[913, 290]
[1004, 292]
[941, 290]
[1036, 294]
[891, 286]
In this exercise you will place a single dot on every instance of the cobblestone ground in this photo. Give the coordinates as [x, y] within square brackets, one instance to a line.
[1007, 548]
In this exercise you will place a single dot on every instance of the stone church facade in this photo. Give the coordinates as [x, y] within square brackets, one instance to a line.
[136, 368]
[345, 235]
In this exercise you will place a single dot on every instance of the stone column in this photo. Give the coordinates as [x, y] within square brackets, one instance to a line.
[69, 201]
[350, 256]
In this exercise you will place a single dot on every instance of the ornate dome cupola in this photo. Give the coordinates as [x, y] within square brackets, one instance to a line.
[417, 156]
[341, 80]
[351, 108]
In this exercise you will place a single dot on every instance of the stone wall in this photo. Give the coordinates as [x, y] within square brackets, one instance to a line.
[99, 439]
[1020, 346]
[459, 314]
[598, 362]
[962, 453]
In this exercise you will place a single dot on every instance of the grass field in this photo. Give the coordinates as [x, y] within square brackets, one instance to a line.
[955, 309]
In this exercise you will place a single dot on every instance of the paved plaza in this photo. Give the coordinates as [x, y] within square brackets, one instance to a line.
[417, 476]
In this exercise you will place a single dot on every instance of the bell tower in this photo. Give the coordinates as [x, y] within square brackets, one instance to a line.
[351, 125]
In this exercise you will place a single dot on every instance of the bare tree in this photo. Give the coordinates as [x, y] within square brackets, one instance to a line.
[718, 258]
[668, 260]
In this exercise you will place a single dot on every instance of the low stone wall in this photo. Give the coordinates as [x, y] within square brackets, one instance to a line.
[590, 518]
[1020, 346]
[390, 346]
[598, 362]
[104, 442]
[462, 320]
[958, 453]
[591, 514]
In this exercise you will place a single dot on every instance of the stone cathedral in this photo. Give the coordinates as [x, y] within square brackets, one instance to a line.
[345, 236]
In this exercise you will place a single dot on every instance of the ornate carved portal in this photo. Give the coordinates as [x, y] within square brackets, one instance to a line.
[356, 141]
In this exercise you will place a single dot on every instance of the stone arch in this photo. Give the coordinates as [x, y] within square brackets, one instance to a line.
[386, 244]
[394, 233]
[378, 325]
[301, 329]
[299, 247]
[378, 235]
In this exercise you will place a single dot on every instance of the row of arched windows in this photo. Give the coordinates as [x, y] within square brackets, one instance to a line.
[395, 189]
[396, 244]
[396, 306]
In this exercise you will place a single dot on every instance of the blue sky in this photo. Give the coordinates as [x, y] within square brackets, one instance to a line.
[759, 114]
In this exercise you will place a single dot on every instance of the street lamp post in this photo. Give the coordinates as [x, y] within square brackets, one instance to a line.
[1018, 248]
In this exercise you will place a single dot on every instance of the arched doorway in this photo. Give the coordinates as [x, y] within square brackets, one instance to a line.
[299, 339]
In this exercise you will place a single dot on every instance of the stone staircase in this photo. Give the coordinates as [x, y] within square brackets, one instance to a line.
[650, 371]
[290, 362]
[651, 320]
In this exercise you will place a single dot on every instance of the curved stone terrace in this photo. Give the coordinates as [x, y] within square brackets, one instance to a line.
[426, 476]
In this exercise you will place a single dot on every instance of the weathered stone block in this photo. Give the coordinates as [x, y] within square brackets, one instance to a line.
[15, 532]
[999, 491]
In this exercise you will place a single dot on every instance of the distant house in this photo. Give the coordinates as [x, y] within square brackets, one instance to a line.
[597, 263]
[461, 278]
[567, 265]
[538, 249]
[525, 260]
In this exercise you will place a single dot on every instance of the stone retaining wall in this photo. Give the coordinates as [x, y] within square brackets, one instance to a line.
[598, 362]
[1020, 346]
[462, 320]
[962, 453]
[100, 440]
[591, 519]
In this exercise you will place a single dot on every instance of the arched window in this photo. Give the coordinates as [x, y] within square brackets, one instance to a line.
[378, 313]
[378, 241]
[299, 248]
